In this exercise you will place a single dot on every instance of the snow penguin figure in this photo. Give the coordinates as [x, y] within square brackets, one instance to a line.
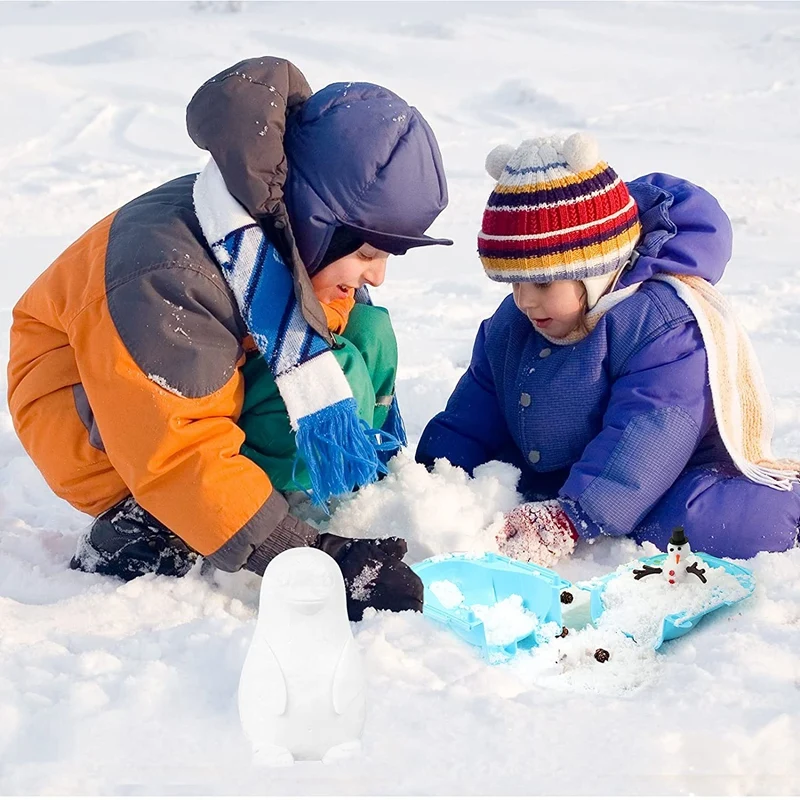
[678, 563]
[301, 692]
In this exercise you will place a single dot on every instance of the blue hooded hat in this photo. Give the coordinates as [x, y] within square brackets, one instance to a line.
[359, 156]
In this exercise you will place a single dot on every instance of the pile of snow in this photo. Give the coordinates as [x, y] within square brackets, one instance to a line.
[639, 607]
[441, 511]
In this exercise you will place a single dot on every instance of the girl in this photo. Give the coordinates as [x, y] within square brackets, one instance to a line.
[615, 376]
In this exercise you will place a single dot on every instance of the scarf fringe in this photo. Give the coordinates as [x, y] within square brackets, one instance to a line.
[775, 476]
[338, 454]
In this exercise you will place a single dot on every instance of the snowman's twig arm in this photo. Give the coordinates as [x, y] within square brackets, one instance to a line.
[695, 570]
[638, 574]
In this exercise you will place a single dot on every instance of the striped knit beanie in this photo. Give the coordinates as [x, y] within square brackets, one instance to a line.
[557, 213]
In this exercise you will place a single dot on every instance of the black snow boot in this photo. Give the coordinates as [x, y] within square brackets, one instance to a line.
[127, 542]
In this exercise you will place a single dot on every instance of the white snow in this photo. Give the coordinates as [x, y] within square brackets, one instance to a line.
[506, 621]
[361, 587]
[447, 593]
[436, 512]
[639, 607]
[131, 689]
[164, 383]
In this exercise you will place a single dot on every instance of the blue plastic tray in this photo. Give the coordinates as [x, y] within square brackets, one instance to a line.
[487, 579]
[675, 624]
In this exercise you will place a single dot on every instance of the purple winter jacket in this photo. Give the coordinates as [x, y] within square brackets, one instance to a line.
[607, 424]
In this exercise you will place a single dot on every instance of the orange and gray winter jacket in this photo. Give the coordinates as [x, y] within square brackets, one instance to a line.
[136, 325]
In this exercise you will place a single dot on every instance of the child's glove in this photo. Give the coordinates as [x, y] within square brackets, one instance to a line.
[374, 574]
[537, 532]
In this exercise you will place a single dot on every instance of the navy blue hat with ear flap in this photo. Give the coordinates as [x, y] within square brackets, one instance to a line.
[344, 241]
[359, 156]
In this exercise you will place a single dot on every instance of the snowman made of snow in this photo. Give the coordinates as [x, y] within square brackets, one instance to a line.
[301, 691]
[679, 563]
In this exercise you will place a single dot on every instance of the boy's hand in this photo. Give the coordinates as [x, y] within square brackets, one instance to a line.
[537, 532]
[374, 574]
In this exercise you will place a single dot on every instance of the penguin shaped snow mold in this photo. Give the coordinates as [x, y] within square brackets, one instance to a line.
[678, 563]
[301, 691]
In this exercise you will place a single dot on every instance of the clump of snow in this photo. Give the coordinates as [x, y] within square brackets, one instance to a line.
[164, 384]
[506, 621]
[361, 586]
[441, 511]
[85, 553]
[568, 663]
[447, 593]
[639, 607]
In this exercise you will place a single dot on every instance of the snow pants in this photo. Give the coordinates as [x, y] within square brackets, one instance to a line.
[368, 358]
[724, 514]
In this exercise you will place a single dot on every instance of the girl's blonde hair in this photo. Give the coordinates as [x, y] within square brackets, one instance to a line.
[582, 326]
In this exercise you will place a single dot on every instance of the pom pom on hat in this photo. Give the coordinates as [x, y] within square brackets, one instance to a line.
[557, 212]
[498, 158]
[581, 152]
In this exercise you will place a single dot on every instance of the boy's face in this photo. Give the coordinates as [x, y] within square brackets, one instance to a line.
[342, 277]
[555, 308]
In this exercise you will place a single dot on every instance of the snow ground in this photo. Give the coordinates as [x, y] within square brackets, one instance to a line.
[106, 688]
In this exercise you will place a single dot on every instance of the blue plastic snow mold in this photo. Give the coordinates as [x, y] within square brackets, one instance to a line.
[675, 625]
[487, 579]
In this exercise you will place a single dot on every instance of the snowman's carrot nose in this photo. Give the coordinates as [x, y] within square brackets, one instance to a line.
[677, 558]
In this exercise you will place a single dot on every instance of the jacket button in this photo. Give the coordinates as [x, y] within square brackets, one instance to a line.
[534, 456]
[544, 353]
[524, 399]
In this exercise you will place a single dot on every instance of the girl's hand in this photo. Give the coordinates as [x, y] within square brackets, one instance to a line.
[537, 532]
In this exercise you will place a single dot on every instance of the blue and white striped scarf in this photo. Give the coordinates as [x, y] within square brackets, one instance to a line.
[339, 450]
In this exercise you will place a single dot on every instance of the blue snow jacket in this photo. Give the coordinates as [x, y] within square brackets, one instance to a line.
[609, 423]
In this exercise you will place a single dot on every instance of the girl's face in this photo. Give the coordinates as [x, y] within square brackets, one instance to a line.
[556, 308]
[342, 277]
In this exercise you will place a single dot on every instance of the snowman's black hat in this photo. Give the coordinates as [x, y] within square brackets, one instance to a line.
[678, 537]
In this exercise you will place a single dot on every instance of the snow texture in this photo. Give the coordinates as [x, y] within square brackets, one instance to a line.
[108, 688]
[362, 584]
[447, 593]
[639, 607]
[436, 512]
[506, 621]
[163, 383]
